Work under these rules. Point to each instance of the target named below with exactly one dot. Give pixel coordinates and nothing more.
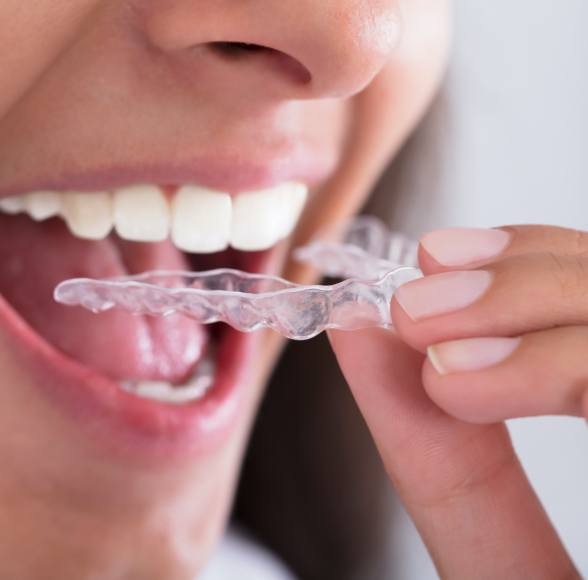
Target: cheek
(381, 118)
(33, 438)
(416, 69)
(32, 35)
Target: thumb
(462, 484)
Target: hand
(506, 335)
(503, 317)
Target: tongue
(34, 258)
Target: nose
(300, 49)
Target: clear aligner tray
(374, 261)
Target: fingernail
(460, 246)
(472, 354)
(442, 293)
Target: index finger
(456, 248)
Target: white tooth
(295, 197)
(141, 214)
(167, 393)
(42, 205)
(201, 220)
(88, 215)
(12, 205)
(262, 218)
(196, 388)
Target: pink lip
(115, 420)
(123, 424)
(233, 175)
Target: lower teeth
(194, 390)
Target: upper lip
(231, 175)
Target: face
(162, 135)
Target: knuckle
(472, 483)
(570, 241)
(578, 339)
(458, 484)
(570, 274)
(569, 394)
(580, 243)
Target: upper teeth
(198, 219)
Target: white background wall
(517, 152)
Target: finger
(461, 483)
(515, 296)
(457, 248)
(486, 380)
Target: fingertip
(427, 263)
(462, 248)
(360, 348)
(408, 329)
(436, 361)
(345, 339)
(458, 395)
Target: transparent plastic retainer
(373, 262)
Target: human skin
(495, 330)
(71, 100)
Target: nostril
(237, 48)
(277, 60)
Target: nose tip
(346, 45)
(304, 49)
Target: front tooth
(12, 205)
(294, 196)
(201, 220)
(42, 205)
(262, 218)
(88, 215)
(141, 214)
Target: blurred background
(506, 142)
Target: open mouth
(162, 366)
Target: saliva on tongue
(35, 257)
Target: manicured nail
(442, 293)
(461, 246)
(472, 354)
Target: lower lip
(125, 425)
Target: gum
(364, 251)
